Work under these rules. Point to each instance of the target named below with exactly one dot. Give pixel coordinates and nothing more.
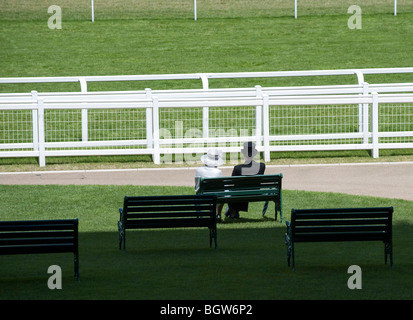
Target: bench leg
(265, 207)
(77, 275)
(388, 251)
(290, 248)
(121, 230)
(213, 235)
(278, 207)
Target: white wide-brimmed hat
(213, 158)
(249, 149)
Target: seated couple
(213, 159)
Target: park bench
(348, 224)
(182, 211)
(245, 189)
(40, 236)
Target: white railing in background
(44, 125)
(33, 133)
(296, 8)
(196, 10)
(205, 77)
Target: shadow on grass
(250, 263)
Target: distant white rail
(205, 77)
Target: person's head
(249, 151)
(213, 158)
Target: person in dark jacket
(248, 168)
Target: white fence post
(93, 11)
(149, 121)
(258, 118)
(41, 136)
(85, 134)
(205, 122)
(375, 124)
(365, 115)
(266, 127)
(295, 9)
(156, 137)
(205, 110)
(35, 122)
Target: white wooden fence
(185, 124)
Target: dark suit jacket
(249, 169)
(246, 169)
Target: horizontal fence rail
(182, 125)
(205, 77)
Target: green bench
(183, 211)
(348, 224)
(40, 236)
(235, 189)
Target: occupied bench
(348, 224)
(245, 189)
(184, 211)
(40, 236)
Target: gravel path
(389, 180)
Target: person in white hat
(212, 160)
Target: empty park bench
(40, 236)
(183, 211)
(349, 224)
(245, 189)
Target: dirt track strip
(389, 180)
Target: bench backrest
(348, 224)
(169, 211)
(39, 236)
(241, 184)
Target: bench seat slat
(340, 229)
(240, 192)
(30, 241)
(28, 227)
(165, 214)
(170, 223)
(153, 200)
(168, 208)
(246, 185)
(36, 234)
(326, 237)
(348, 222)
(336, 216)
(35, 249)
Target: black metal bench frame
(236, 189)
(181, 211)
(345, 224)
(40, 236)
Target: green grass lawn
(162, 46)
(250, 262)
